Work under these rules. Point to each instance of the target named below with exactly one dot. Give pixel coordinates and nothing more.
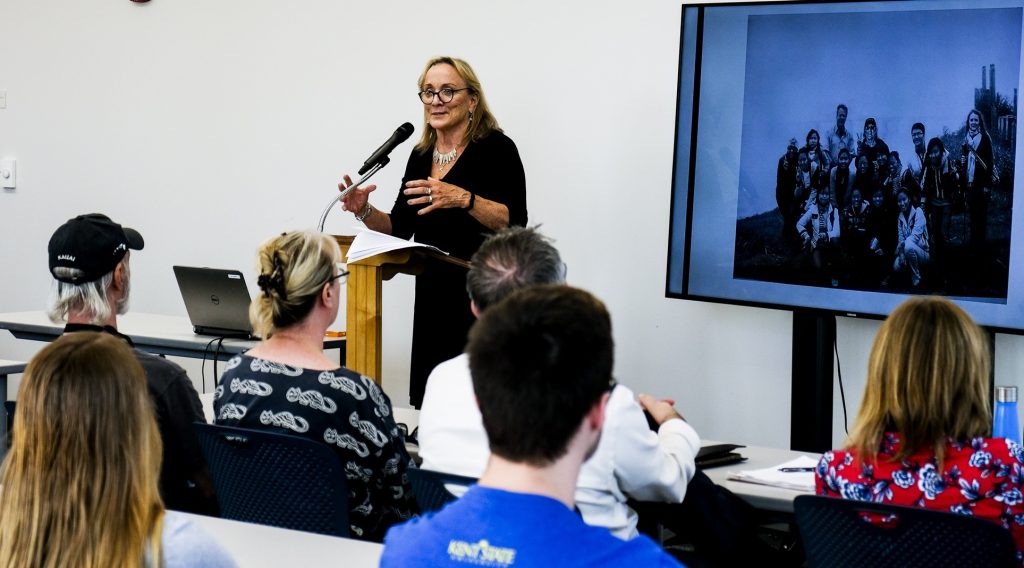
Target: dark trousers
(938, 216)
(979, 217)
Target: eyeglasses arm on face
(340, 276)
(446, 94)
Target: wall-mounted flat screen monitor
(843, 156)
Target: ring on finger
(429, 191)
(430, 198)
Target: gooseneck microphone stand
(376, 167)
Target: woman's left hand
(435, 194)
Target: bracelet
(472, 200)
(366, 213)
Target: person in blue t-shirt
(541, 362)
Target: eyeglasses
(446, 94)
(342, 276)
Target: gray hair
(88, 298)
(509, 260)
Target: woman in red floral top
(919, 438)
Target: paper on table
(796, 480)
(371, 243)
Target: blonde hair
(293, 268)
(483, 121)
(927, 380)
(80, 480)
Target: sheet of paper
(371, 243)
(776, 477)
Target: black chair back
(276, 479)
(429, 487)
(836, 535)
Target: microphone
(380, 155)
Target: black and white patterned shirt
(340, 408)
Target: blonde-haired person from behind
(920, 435)
(80, 485)
(288, 385)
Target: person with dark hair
(80, 480)
(880, 235)
(893, 182)
(840, 180)
(864, 178)
(92, 282)
(976, 163)
(809, 182)
(631, 461)
(541, 362)
(880, 225)
(920, 438)
(912, 239)
(854, 229)
(286, 384)
(940, 186)
(785, 186)
(881, 168)
(464, 180)
(838, 137)
(820, 159)
(913, 176)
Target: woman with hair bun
(80, 480)
(287, 384)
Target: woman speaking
(464, 181)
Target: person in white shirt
(838, 137)
(913, 175)
(631, 460)
(819, 227)
(912, 243)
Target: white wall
(211, 125)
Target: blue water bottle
(1006, 423)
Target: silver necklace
(444, 159)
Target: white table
(163, 335)
(763, 497)
(255, 546)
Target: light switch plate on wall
(9, 173)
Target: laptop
(217, 301)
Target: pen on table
(795, 469)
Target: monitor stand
(814, 335)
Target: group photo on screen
(878, 151)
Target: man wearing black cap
(89, 260)
(871, 145)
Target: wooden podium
(363, 336)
